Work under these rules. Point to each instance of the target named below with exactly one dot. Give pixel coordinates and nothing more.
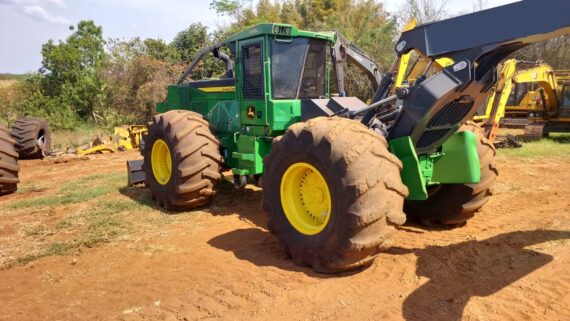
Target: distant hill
(12, 76)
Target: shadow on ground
(142, 196)
(456, 272)
(254, 244)
(228, 201)
(460, 271)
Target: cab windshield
(298, 68)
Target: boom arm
(477, 43)
(344, 48)
(498, 99)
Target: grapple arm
(477, 43)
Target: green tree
(554, 52)
(68, 87)
(71, 69)
(136, 76)
(234, 9)
(160, 50)
(425, 11)
(188, 42)
(56, 109)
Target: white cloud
(41, 14)
(36, 9)
(59, 3)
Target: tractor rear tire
(181, 160)
(455, 204)
(8, 163)
(33, 137)
(362, 179)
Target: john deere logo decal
(251, 112)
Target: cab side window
(252, 71)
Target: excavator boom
(344, 50)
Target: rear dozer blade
(136, 174)
(533, 132)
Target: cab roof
(281, 30)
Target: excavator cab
(565, 101)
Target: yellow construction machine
(126, 137)
(536, 99)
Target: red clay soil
(511, 262)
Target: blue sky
(26, 24)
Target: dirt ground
(75, 244)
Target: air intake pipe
(227, 60)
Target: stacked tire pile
(30, 138)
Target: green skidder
(336, 172)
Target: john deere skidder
(335, 171)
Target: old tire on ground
(332, 202)
(8, 163)
(181, 160)
(33, 137)
(455, 204)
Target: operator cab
(565, 101)
(270, 70)
(277, 68)
(276, 75)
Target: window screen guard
(252, 64)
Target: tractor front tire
(181, 160)
(455, 204)
(33, 137)
(8, 163)
(332, 193)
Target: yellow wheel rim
(305, 198)
(161, 162)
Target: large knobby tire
(33, 137)
(187, 153)
(455, 204)
(363, 180)
(8, 163)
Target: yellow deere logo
(250, 112)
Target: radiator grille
(445, 120)
(452, 113)
(431, 136)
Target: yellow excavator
(532, 88)
(536, 99)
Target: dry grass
(558, 145)
(7, 83)
(64, 139)
(96, 210)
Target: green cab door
(252, 82)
